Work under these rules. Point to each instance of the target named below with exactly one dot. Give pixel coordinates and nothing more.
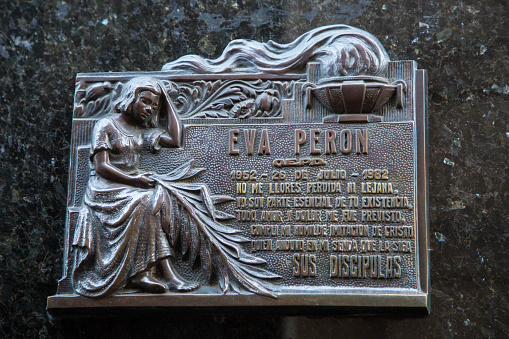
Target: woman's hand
(142, 180)
(109, 172)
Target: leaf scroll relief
(200, 99)
(96, 99)
(230, 99)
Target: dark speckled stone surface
(464, 46)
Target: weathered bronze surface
(276, 175)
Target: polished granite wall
(463, 44)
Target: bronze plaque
(278, 175)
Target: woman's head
(138, 94)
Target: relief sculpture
(274, 175)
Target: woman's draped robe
(117, 234)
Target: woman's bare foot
(147, 283)
(173, 280)
(180, 285)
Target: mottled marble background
(463, 44)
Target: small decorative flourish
(95, 99)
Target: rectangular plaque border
(421, 112)
(67, 305)
(64, 306)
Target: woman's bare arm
(174, 128)
(107, 171)
(167, 141)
